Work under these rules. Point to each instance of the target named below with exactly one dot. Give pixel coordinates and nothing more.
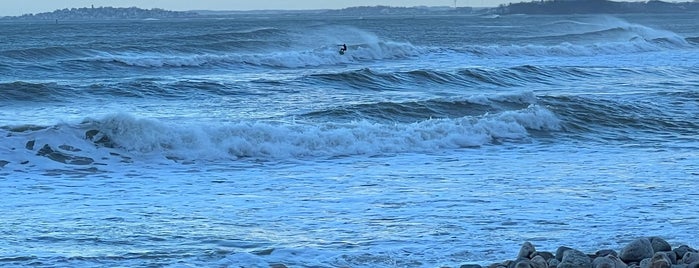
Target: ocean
(434, 141)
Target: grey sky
(19, 7)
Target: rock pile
(650, 252)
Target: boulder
(523, 263)
(608, 261)
(560, 251)
(693, 265)
(539, 261)
(645, 263)
(690, 257)
(526, 250)
(545, 254)
(636, 251)
(575, 259)
(605, 252)
(681, 250)
(671, 255)
(659, 244)
(603, 262)
(553, 263)
(660, 260)
(471, 266)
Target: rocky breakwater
(650, 252)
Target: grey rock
(526, 250)
(608, 261)
(660, 260)
(575, 259)
(679, 266)
(30, 145)
(497, 265)
(671, 255)
(681, 250)
(659, 244)
(690, 257)
(61, 157)
(545, 254)
(645, 263)
(636, 251)
(553, 263)
(560, 251)
(539, 261)
(470, 266)
(605, 252)
(523, 263)
(603, 262)
(693, 265)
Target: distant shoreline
(561, 7)
(543, 7)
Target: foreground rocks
(647, 252)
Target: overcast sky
(19, 7)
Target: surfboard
(342, 52)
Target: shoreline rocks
(645, 252)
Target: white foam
(291, 140)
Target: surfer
(343, 48)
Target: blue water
(434, 141)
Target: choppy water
(433, 141)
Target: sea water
(433, 141)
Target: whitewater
(434, 141)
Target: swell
(523, 75)
(360, 80)
(417, 111)
(658, 117)
(135, 88)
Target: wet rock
(30, 145)
(497, 265)
(523, 263)
(560, 251)
(526, 250)
(605, 252)
(693, 265)
(670, 255)
(539, 261)
(545, 254)
(575, 259)
(690, 257)
(603, 262)
(608, 261)
(58, 156)
(681, 250)
(645, 263)
(660, 260)
(659, 244)
(554, 262)
(277, 265)
(99, 138)
(636, 251)
(470, 266)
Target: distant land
(533, 7)
(596, 6)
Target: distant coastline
(553, 7)
(103, 13)
(534, 7)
